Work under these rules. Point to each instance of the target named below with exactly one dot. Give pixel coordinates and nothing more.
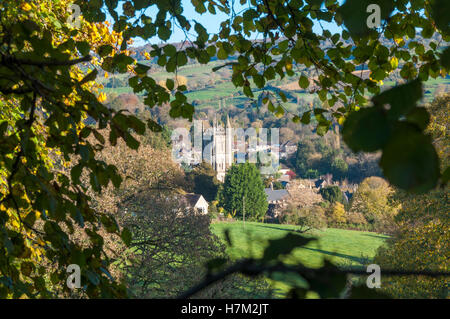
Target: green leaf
(306, 118)
(211, 50)
(89, 77)
(136, 124)
(109, 223)
(329, 282)
(141, 68)
(217, 68)
(279, 112)
(446, 176)
(247, 90)
(282, 95)
(445, 58)
(378, 75)
(181, 58)
(439, 13)
(131, 141)
(366, 130)
(116, 179)
(420, 117)
(402, 99)
(121, 61)
(164, 33)
(153, 126)
(354, 14)
(303, 82)
(99, 137)
(104, 50)
(84, 47)
(126, 236)
(170, 84)
(121, 121)
(409, 160)
(408, 71)
(202, 33)
(323, 128)
(259, 80)
(170, 50)
(222, 54)
(75, 173)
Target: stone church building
(214, 145)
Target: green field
(342, 247)
(206, 87)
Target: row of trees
(315, 158)
(370, 208)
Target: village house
(284, 169)
(277, 199)
(287, 149)
(196, 202)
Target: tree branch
(47, 62)
(253, 267)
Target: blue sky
(212, 23)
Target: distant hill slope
(294, 86)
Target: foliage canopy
(47, 73)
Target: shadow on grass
(384, 237)
(335, 254)
(277, 228)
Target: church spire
(215, 122)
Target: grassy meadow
(342, 247)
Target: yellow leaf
(399, 41)
(25, 6)
(394, 62)
(101, 97)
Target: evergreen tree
(332, 194)
(304, 151)
(204, 181)
(244, 188)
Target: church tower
(219, 151)
(228, 143)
